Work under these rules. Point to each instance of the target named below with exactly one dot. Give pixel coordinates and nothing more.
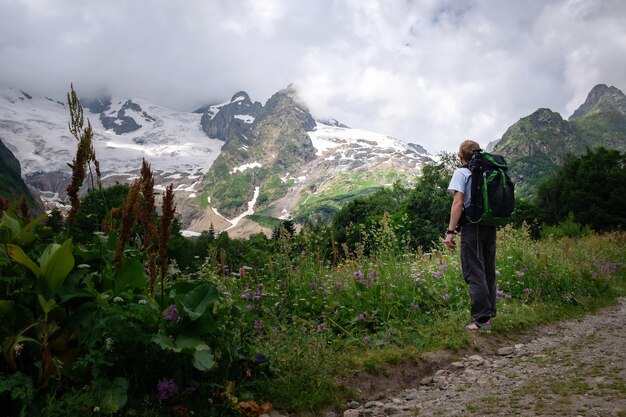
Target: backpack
(492, 200)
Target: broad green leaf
(6, 306)
(47, 305)
(56, 263)
(165, 342)
(113, 395)
(18, 255)
(196, 302)
(9, 228)
(203, 359)
(130, 275)
(26, 235)
(189, 344)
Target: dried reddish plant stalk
(129, 218)
(169, 209)
(85, 153)
(148, 222)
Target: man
(478, 245)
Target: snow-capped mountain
(125, 132)
(276, 160)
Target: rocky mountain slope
(536, 146)
(12, 186)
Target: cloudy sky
(432, 72)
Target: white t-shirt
(461, 181)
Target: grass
(308, 364)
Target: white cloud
(432, 72)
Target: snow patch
(245, 118)
(242, 168)
(189, 233)
(248, 212)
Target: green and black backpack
(493, 193)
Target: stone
(457, 365)
(391, 410)
(353, 404)
(351, 413)
(426, 380)
(506, 351)
(476, 359)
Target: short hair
(467, 149)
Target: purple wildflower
(527, 292)
(367, 339)
(171, 314)
(167, 388)
(446, 297)
(257, 324)
(358, 275)
(416, 306)
(362, 316)
(313, 286)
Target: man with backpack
(482, 197)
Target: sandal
(479, 327)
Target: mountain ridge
(536, 145)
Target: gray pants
(478, 262)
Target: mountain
(12, 186)
(536, 146)
(238, 165)
(283, 164)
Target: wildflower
(367, 339)
(171, 314)
(18, 349)
(260, 358)
(257, 324)
(527, 292)
(457, 289)
(321, 328)
(362, 316)
(358, 294)
(358, 275)
(275, 330)
(416, 306)
(313, 286)
(242, 273)
(96, 409)
(143, 301)
(118, 300)
(446, 297)
(256, 296)
(166, 388)
(108, 344)
(497, 273)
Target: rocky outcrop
(602, 98)
(123, 120)
(12, 186)
(223, 121)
